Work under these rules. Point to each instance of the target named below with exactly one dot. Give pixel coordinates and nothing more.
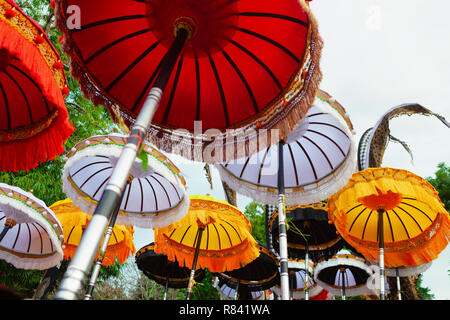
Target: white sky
(379, 54)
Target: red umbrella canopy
(33, 117)
(247, 63)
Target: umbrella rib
(354, 220)
(320, 149)
(329, 125)
(164, 189)
(23, 94)
(94, 174)
(271, 41)
(184, 234)
(431, 220)
(293, 163)
(358, 205)
(365, 225)
(34, 83)
(390, 226)
(218, 236)
(29, 234)
(142, 194)
(244, 167)
(173, 186)
(40, 237)
(309, 160)
(150, 81)
(17, 235)
(274, 15)
(315, 114)
(417, 223)
(325, 136)
(222, 93)
(198, 91)
(107, 21)
(99, 187)
(401, 221)
(88, 165)
(228, 235)
(237, 233)
(154, 193)
(132, 65)
(70, 234)
(207, 237)
(243, 79)
(5, 98)
(174, 88)
(262, 64)
(262, 164)
(112, 44)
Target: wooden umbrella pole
(9, 223)
(194, 263)
(381, 245)
(99, 262)
(75, 276)
(284, 272)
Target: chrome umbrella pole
(79, 267)
(284, 272)
(381, 245)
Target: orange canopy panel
(226, 242)
(75, 221)
(415, 223)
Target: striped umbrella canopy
(415, 225)
(213, 234)
(34, 122)
(153, 198)
(319, 157)
(309, 230)
(31, 236)
(259, 275)
(344, 275)
(163, 271)
(229, 293)
(74, 222)
(241, 65)
(301, 278)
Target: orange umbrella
(74, 221)
(213, 234)
(392, 213)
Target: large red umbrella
(237, 65)
(245, 64)
(34, 120)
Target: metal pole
(399, 289)
(381, 245)
(343, 283)
(237, 289)
(99, 262)
(306, 271)
(268, 231)
(284, 272)
(194, 263)
(78, 269)
(166, 288)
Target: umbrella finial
(186, 23)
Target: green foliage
(423, 292)
(255, 212)
(441, 182)
(205, 290)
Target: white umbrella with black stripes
(31, 236)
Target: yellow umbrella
(74, 221)
(393, 213)
(213, 234)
